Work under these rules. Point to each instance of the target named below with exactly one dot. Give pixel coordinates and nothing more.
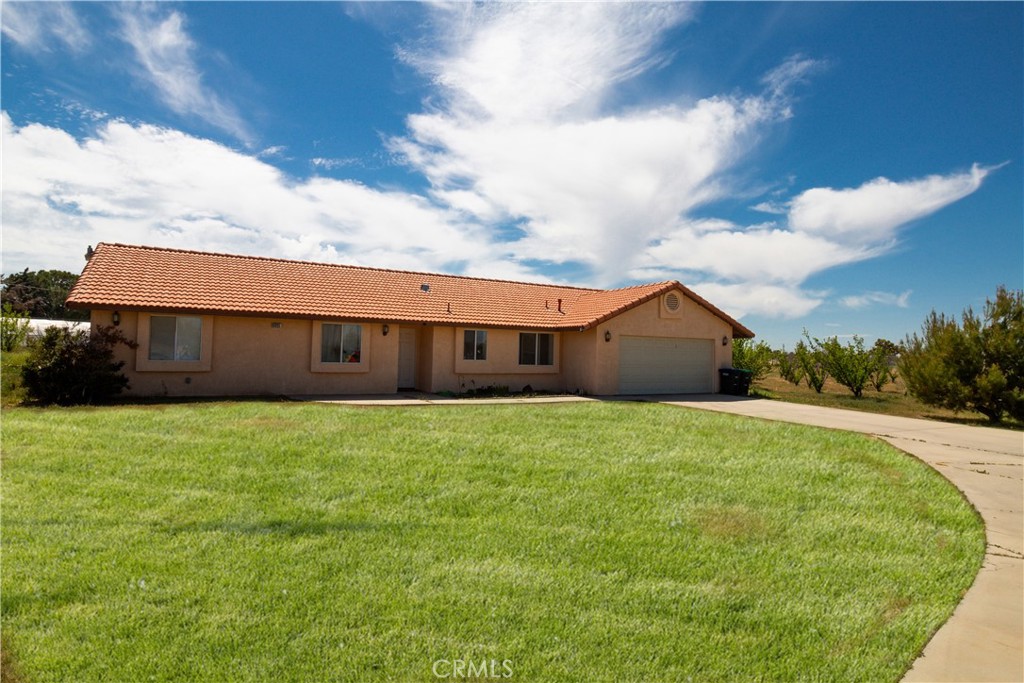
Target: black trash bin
(734, 382)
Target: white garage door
(654, 365)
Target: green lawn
(584, 542)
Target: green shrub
(68, 367)
(975, 364)
(755, 358)
(13, 328)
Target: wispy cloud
(273, 152)
(793, 71)
(330, 164)
(36, 26)
(770, 207)
(901, 300)
(165, 52)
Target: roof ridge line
(344, 265)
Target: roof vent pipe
(559, 305)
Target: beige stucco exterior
(246, 355)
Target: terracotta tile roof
(148, 278)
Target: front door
(407, 358)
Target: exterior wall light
(116, 318)
(725, 340)
(607, 335)
(386, 329)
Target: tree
(883, 370)
(13, 328)
(68, 367)
(789, 366)
(811, 362)
(41, 294)
(849, 364)
(975, 364)
(755, 358)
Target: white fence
(36, 326)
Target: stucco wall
(648, 320)
(579, 361)
(250, 356)
(451, 372)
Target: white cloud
(149, 185)
(529, 155)
(525, 132)
(594, 190)
(901, 300)
(164, 50)
(797, 69)
(35, 25)
(770, 207)
(331, 164)
(758, 254)
(872, 212)
(758, 298)
(824, 228)
(273, 152)
(535, 61)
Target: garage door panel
(659, 365)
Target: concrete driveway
(984, 639)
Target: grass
(892, 400)
(11, 390)
(577, 542)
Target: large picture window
(536, 348)
(175, 337)
(341, 343)
(474, 345)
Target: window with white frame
(175, 337)
(536, 348)
(341, 343)
(474, 345)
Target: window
(474, 345)
(341, 343)
(536, 348)
(175, 337)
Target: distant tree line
(814, 360)
(976, 363)
(40, 294)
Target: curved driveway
(984, 639)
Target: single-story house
(217, 325)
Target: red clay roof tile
(148, 278)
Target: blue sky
(839, 167)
